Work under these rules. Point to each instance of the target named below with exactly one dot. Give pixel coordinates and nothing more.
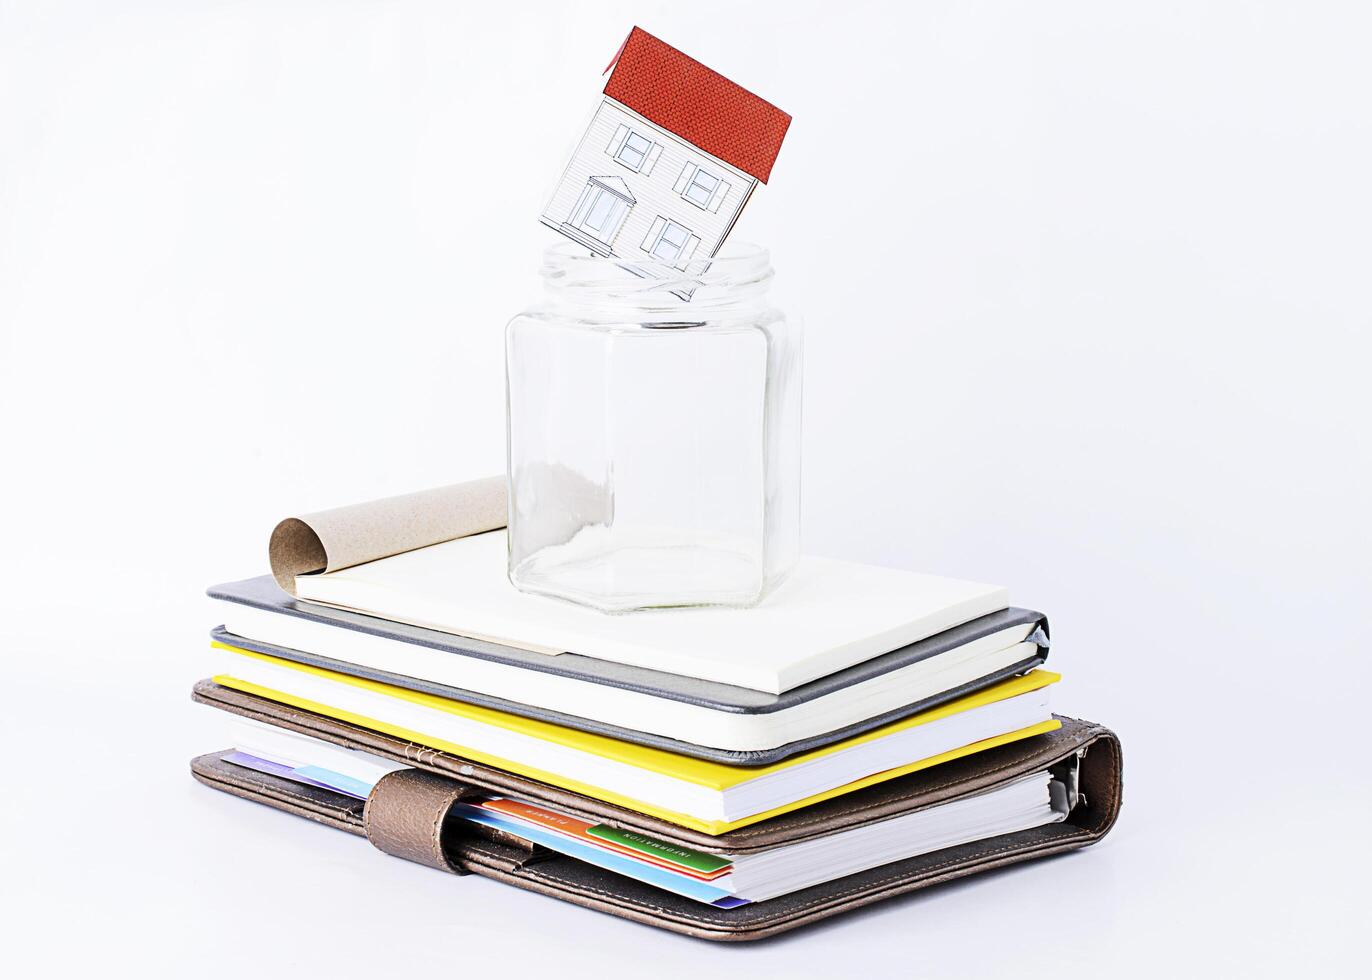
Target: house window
(634, 150)
(669, 242)
(602, 207)
(701, 188)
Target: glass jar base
(616, 572)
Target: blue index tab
(249, 761)
(336, 781)
(638, 870)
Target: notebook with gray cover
(705, 719)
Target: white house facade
(634, 190)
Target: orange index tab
(560, 822)
(581, 830)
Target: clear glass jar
(653, 433)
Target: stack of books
(725, 773)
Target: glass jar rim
(739, 267)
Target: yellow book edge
(700, 772)
(712, 827)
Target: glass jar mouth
(740, 271)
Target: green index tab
(684, 856)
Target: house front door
(601, 209)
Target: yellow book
(709, 796)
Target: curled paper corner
(295, 549)
(353, 535)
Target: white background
(1087, 301)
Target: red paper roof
(701, 106)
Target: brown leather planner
(406, 815)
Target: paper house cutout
(670, 158)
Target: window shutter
(720, 192)
(687, 252)
(687, 172)
(653, 154)
(654, 233)
(620, 135)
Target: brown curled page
(345, 536)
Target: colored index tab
(671, 853)
(538, 815)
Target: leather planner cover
(404, 816)
(263, 594)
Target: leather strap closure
(405, 813)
